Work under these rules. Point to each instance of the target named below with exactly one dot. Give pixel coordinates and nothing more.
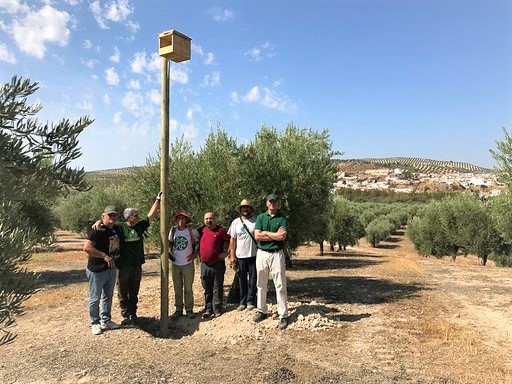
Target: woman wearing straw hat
(242, 248)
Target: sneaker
(250, 307)
(241, 307)
(176, 315)
(96, 329)
(108, 325)
(207, 314)
(259, 316)
(283, 323)
(217, 314)
(191, 315)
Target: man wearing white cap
(242, 250)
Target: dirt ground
(367, 315)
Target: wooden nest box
(174, 46)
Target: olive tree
(34, 169)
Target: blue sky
(415, 78)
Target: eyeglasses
(181, 217)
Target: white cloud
(106, 99)
(212, 80)
(133, 26)
(14, 6)
(89, 63)
(73, 3)
(178, 74)
(35, 28)
(87, 44)
(6, 55)
(192, 110)
(111, 76)
(141, 64)
(154, 96)
(116, 56)
(115, 10)
(134, 84)
(266, 50)
(188, 130)
(85, 105)
(210, 58)
(140, 128)
(234, 97)
(219, 14)
(118, 118)
(253, 95)
(269, 99)
(135, 103)
(197, 49)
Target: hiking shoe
(96, 329)
(217, 314)
(259, 316)
(207, 315)
(241, 307)
(283, 323)
(108, 325)
(250, 307)
(127, 321)
(176, 315)
(191, 315)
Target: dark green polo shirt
(265, 222)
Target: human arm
(280, 235)
(155, 206)
(94, 252)
(232, 250)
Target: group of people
(253, 243)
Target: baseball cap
(273, 196)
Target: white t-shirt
(182, 245)
(245, 245)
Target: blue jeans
(101, 286)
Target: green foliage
(34, 169)
(344, 227)
(78, 210)
(390, 197)
(460, 223)
(503, 156)
(379, 230)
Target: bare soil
(366, 315)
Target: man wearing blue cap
(270, 231)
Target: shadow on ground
(324, 263)
(350, 290)
(61, 278)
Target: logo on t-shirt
(180, 243)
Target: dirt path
(368, 315)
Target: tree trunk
(321, 248)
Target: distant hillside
(412, 164)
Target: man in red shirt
(212, 252)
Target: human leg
(242, 279)
(109, 281)
(207, 277)
(94, 297)
(188, 282)
(278, 271)
(134, 287)
(262, 280)
(123, 282)
(251, 286)
(177, 282)
(218, 286)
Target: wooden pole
(164, 212)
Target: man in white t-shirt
(182, 239)
(242, 251)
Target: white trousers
(272, 263)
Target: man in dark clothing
(102, 246)
(212, 252)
